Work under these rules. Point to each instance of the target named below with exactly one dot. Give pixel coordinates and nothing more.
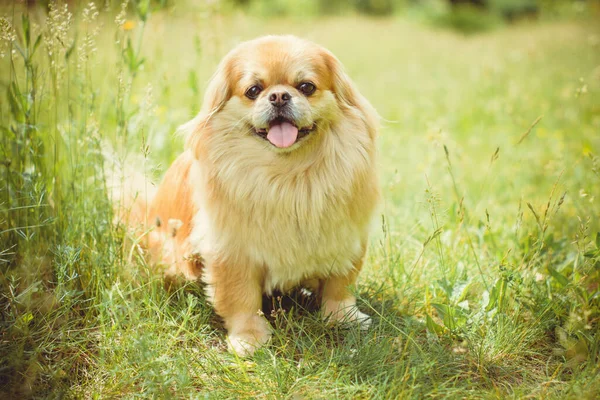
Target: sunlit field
(483, 271)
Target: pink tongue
(283, 135)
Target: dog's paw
(345, 312)
(363, 320)
(245, 341)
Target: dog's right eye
(253, 92)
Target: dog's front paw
(345, 311)
(244, 339)
(363, 320)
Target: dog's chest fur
(295, 244)
(310, 222)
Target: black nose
(279, 99)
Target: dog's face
(284, 91)
(279, 91)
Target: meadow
(483, 271)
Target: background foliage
(483, 272)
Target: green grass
(484, 267)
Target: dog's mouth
(283, 133)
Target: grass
(483, 270)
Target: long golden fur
(248, 212)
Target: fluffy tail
(130, 187)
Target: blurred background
(483, 270)
(463, 15)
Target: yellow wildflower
(128, 25)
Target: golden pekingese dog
(276, 188)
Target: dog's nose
(279, 99)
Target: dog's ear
(348, 96)
(218, 92)
(343, 88)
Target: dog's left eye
(253, 92)
(307, 88)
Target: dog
(276, 188)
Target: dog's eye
(253, 92)
(307, 88)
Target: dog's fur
(248, 217)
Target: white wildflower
(7, 36)
(121, 17)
